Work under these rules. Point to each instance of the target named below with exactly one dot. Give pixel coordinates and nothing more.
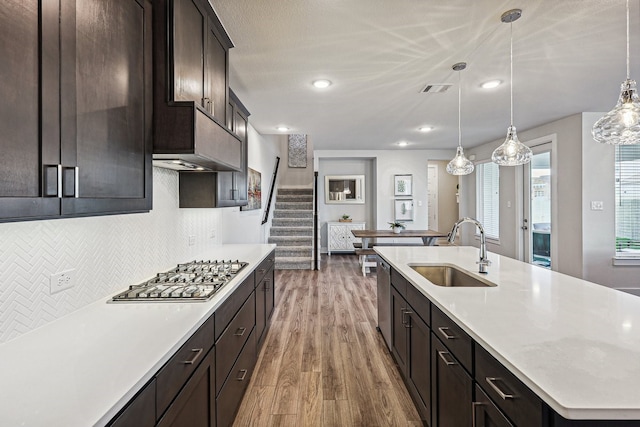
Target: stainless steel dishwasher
(384, 300)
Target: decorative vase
(397, 230)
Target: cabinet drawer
(230, 397)
(420, 304)
(175, 373)
(514, 398)
(265, 266)
(399, 282)
(457, 341)
(486, 413)
(233, 339)
(230, 307)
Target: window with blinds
(488, 198)
(628, 201)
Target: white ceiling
(569, 56)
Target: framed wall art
(254, 190)
(402, 185)
(403, 210)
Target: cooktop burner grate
(193, 281)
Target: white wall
(585, 239)
(387, 164)
(109, 253)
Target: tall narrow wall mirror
(344, 189)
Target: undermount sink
(449, 275)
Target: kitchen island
(82, 369)
(575, 344)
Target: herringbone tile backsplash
(108, 253)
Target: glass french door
(537, 212)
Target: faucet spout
(484, 261)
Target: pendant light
(621, 126)
(460, 165)
(512, 152)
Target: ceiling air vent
(436, 88)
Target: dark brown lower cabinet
(195, 404)
(452, 388)
(486, 413)
(264, 305)
(230, 397)
(141, 411)
(398, 330)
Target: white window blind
(628, 201)
(488, 198)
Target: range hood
(188, 138)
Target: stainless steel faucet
(484, 262)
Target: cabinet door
(261, 306)
(399, 320)
(419, 364)
(270, 285)
(105, 106)
(189, 25)
(141, 411)
(452, 388)
(21, 186)
(216, 72)
(195, 404)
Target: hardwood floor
(323, 362)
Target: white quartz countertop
(81, 369)
(576, 344)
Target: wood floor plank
(323, 363)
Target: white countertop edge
(575, 413)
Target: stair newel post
(315, 220)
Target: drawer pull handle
(197, 352)
(493, 385)
(407, 322)
(443, 330)
(240, 332)
(262, 271)
(474, 405)
(448, 362)
(243, 374)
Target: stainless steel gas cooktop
(193, 281)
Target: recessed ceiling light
(403, 143)
(425, 128)
(282, 128)
(491, 84)
(322, 83)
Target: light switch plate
(597, 205)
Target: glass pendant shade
(460, 165)
(512, 152)
(621, 126)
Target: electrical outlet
(62, 280)
(212, 234)
(192, 240)
(597, 205)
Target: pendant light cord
(628, 62)
(511, 65)
(459, 110)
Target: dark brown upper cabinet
(191, 89)
(77, 122)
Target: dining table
(429, 237)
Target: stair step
(294, 205)
(292, 213)
(294, 263)
(294, 198)
(291, 231)
(292, 222)
(293, 251)
(300, 190)
(291, 240)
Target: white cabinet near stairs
(339, 236)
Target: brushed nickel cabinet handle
(474, 406)
(442, 356)
(406, 323)
(443, 330)
(243, 373)
(493, 385)
(197, 352)
(240, 332)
